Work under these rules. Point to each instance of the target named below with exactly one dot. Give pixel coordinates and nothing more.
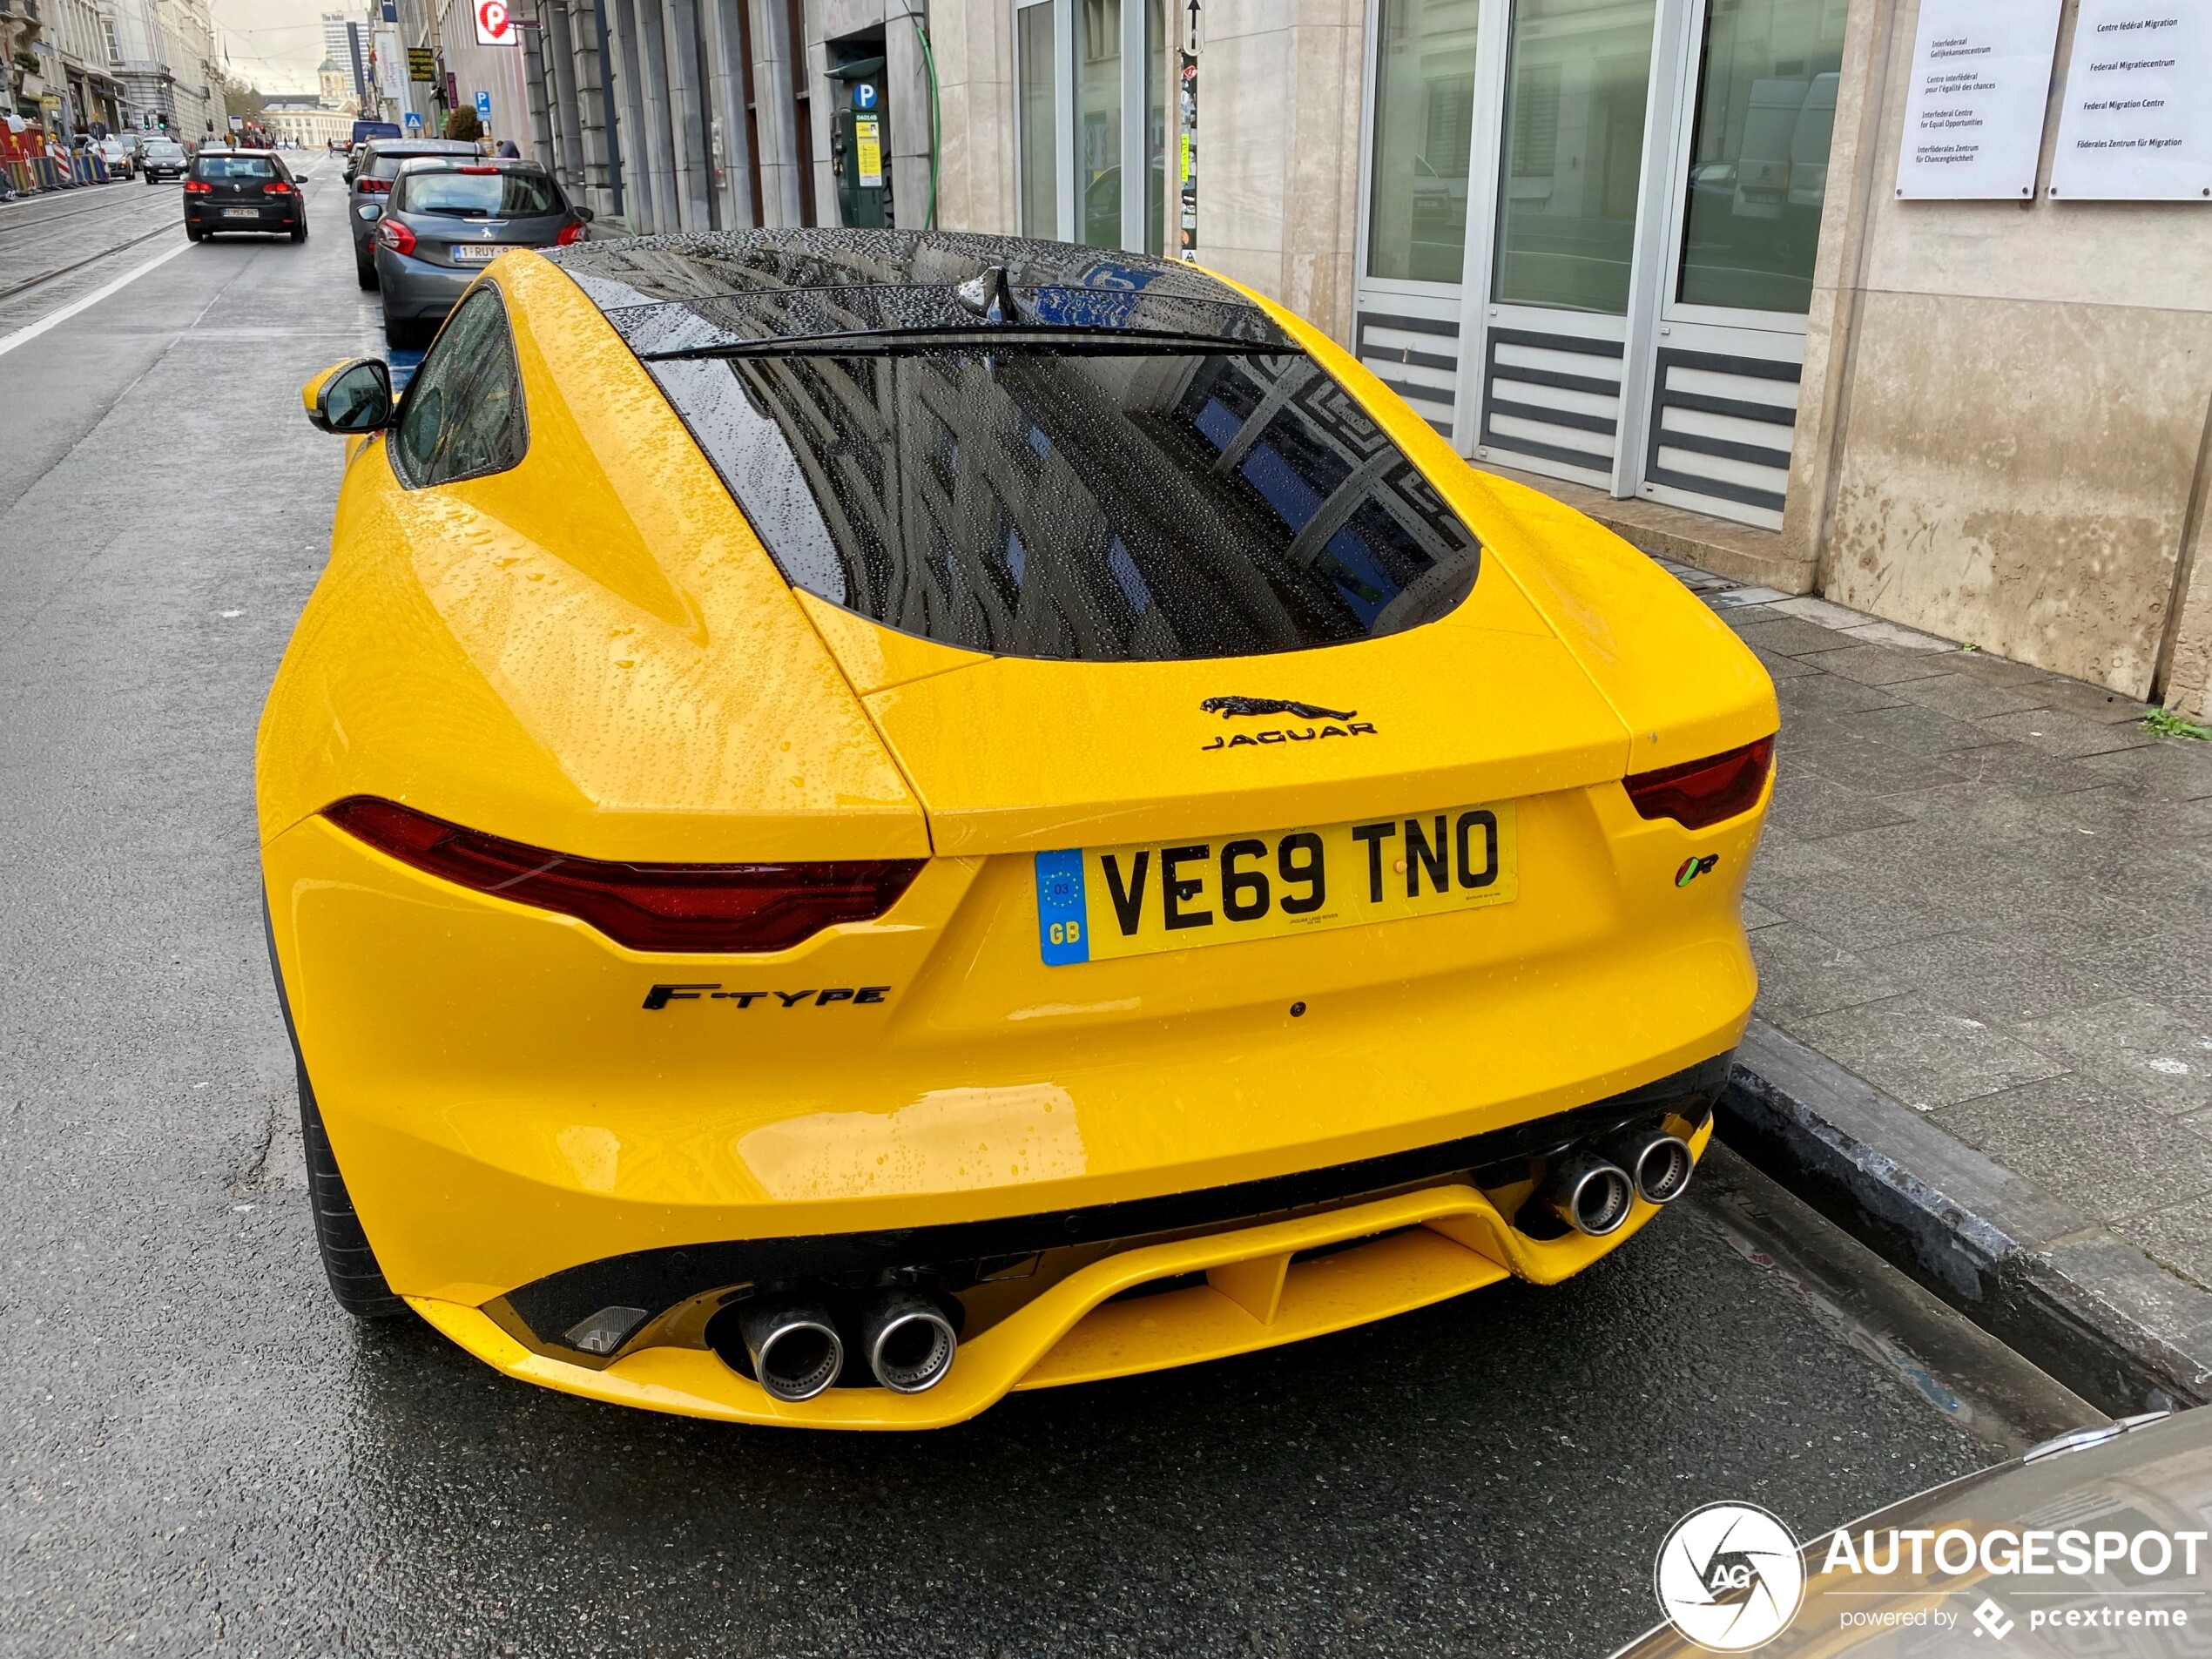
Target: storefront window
(1098, 132)
(1417, 223)
(1040, 121)
(1573, 152)
(1156, 126)
(1758, 166)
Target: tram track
(29, 283)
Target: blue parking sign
(864, 95)
(484, 106)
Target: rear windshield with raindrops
(1084, 476)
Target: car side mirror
(371, 212)
(585, 215)
(352, 397)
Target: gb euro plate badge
(1093, 903)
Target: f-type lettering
(1128, 896)
(742, 999)
(1177, 890)
(828, 997)
(789, 999)
(661, 995)
(1374, 835)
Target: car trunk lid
(1016, 755)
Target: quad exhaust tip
(1591, 1193)
(1663, 1168)
(908, 1341)
(793, 1344)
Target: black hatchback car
(242, 189)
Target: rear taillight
(199, 187)
(493, 171)
(374, 186)
(395, 235)
(646, 906)
(280, 188)
(1702, 793)
(570, 234)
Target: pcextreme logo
(1729, 1577)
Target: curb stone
(2046, 1279)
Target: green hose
(936, 134)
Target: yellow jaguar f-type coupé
(864, 819)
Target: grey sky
(276, 44)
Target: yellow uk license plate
(1098, 902)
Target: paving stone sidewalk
(1987, 891)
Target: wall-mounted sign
(1973, 120)
(391, 74)
(495, 24)
(864, 95)
(423, 65)
(484, 106)
(2137, 122)
(867, 149)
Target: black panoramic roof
(704, 293)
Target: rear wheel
(402, 335)
(365, 274)
(357, 1280)
(299, 233)
(194, 233)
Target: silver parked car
(368, 184)
(445, 220)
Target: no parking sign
(495, 24)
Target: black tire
(365, 274)
(299, 233)
(193, 233)
(402, 336)
(357, 1280)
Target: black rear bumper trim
(659, 1280)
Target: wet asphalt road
(200, 1455)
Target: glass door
(1562, 262)
(1092, 119)
(1747, 192)
(1415, 199)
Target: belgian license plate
(241, 212)
(476, 252)
(1099, 903)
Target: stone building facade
(1649, 254)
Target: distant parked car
(162, 159)
(376, 164)
(445, 220)
(242, 189)
(116, 151)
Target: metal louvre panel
(1721, 428)
(1553, 398)
(1416, 357)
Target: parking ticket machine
(860, 145)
